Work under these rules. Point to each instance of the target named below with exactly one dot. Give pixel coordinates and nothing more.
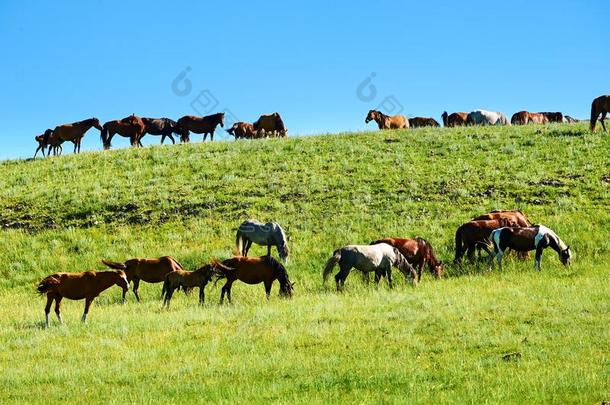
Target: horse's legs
(88, 302)
(602, 120)
(74, 142)
(269, 249)
(201, 294)
(388, 272)
(226, 289)
(172, 139)
(268, 285)
(539, 250)
(247, 247)
(342, 275)
(136, 285)
(420, 268)
(47, 309)
(168, 296)
(57, 309)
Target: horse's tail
(330, 264)
(239, 243)
(46, 136)
(459, 243)
(594, 115)
(47, 284)
(114, 265)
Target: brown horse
(418, 252)
(78, 286)
(253, 270)
(475, 234)
(199, 125)
(270, 125)
(75, 132)
(601, 105)
(148, 270)
(456, 119)
(41, 142)
(243, 130)
(386, 121)
(539, 118)
(520, 118)
(131, 127)
(515, 215)
(419, 122)
(553, 116)
(187, 280)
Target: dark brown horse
(456, 119)
(200, 125)
(475, 235)
(160, 126)
(78, 286)
(244, 130)
(601, 105)
(553, 116)
(74, 132)
(387, 121)
(520, 118)
(131, 127)
(148, 270)
(270, 125)
(418, 252)
(187, 280)
(254, 270)
(419, 122)
(41, 142)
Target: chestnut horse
(131, 127)
(456, 119)
(515, 215)
(418, 252)
(187, 280)
(386, 121)
(75, 132)
(419, 122)
(41, 142)
(539, 118)
(200, 125)
(253, 270)
(520, 118)
(78, 286)
(244, 130)
(601, 105)
(475, 234)
(148, 270)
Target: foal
(78, 286)
(187, 280)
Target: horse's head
(404, 266)
(284, 252)
(565, 256)
(286, 288)
(96, 123)
(222, 120)
(439, 270)
(371, 116)
(122, 280)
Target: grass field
(519, 336)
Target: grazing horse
(269, 234)
(78, 286)
(253, 270)
(148, 270)
(601, 105)
(515, 215)
(475, 234)
(243, 130)
(483, 117)
(387, 121)
(131, 127)
(188, 280)
(418, 122)
(553, 116)
(367, 258)
(418, 252)
(75, 132)
(200, 125)
(456, 119)
(570, 120)
(537, 237)
(520, 118)
(41, 142)
(270, 125)
(538, 118)
(160, 126)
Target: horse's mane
(279, 270)
(215, 116)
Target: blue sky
(64, 61)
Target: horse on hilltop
(200, 125)
(456, 119)
(73, 132)
(131, 127)
(160, 126)
(419, 122)
(41, 142)
(483, 117)
(387, 121)
(601, 105)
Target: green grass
(442, 341)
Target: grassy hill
(444, 340)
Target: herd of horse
(495, 232)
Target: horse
(456, 119)
(200, 125)
(483, 117)
(243, 130)
(78, 286)
(570, 120)
(537, 237)
(253, 270)
(75, 132)
(188, 280)
(516, 215)
(520, 118)
(475, 234)
(386, 121)
(601, 105)
(553, 116)
(367, 258)
(270, 124)
(148, 270)
(41, 142)
(538, 118)
(131, 127)
(419, 122)
(269, 234)
(160, 126)
(418, 252)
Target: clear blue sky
(64, 61)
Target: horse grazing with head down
(253, 270)
(387, 121)
(269, 234)
(537, 237)
(75, 132)
(418, 252)
(244, 130)
(78, 286)
(131, 127)
(160, 126)
(419, 122)
(148, 270)
(601, 105)
(368, 258)
(483, 117)
(475, 235)
(200, 125)
(456, 119)
(270, 125)
(552, 116)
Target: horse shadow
(565, 133)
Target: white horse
(367, 258)
(483, 117)
(269, 234)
